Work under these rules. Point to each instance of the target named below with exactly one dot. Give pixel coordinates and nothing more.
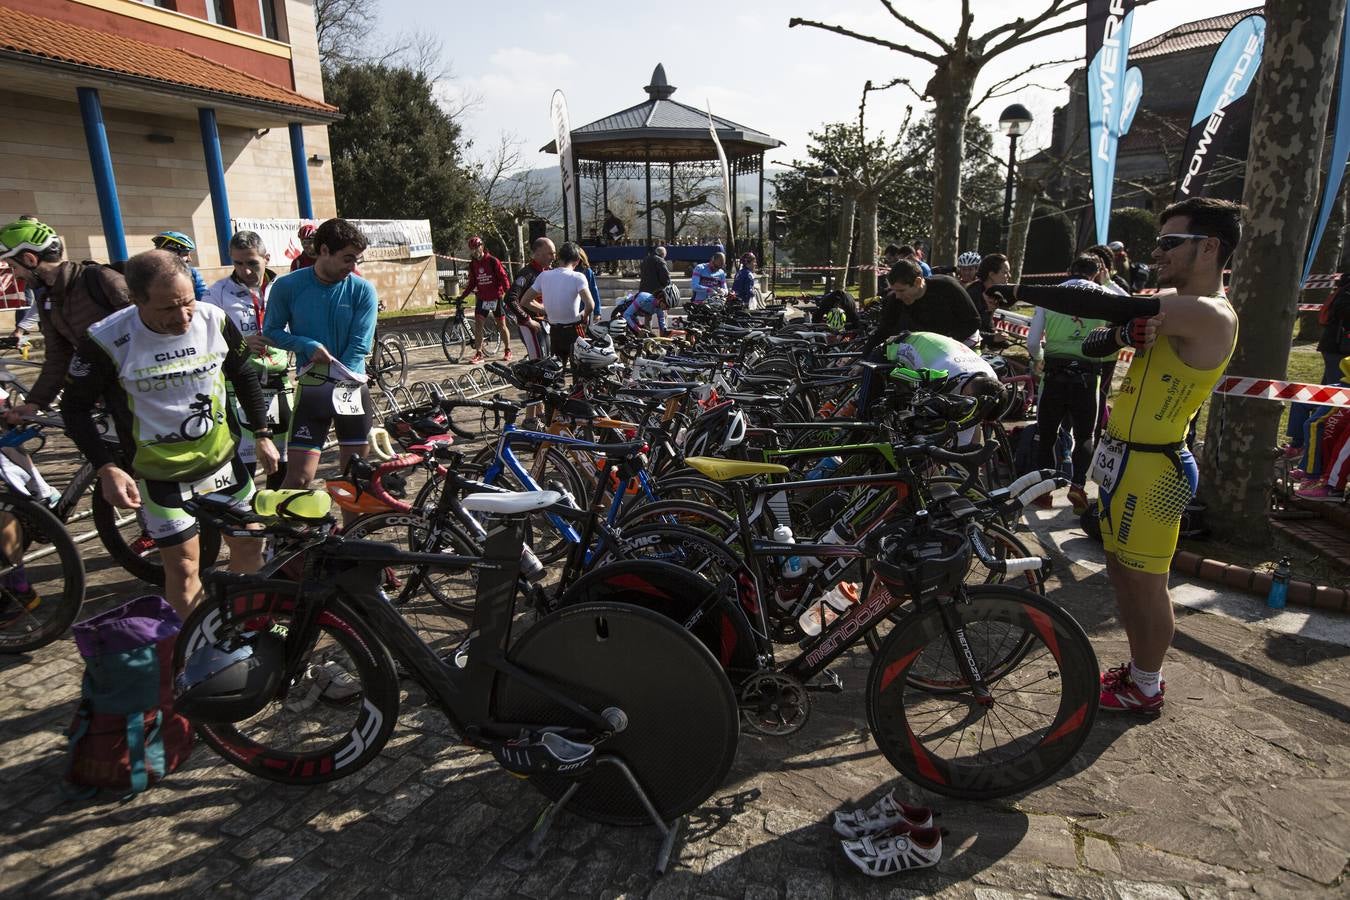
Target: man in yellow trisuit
(1183, 340)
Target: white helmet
(969, 258)
(592, 356)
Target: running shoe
(477, 358)
(883, 814)
(16, 603)
(506, 355)
(1317, 490)
(1078, 499)
(1121, 694)
(335, 684)
(142, 545)
(900, 849)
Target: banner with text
(1340, 149)
(1224, 96)
(562, 132)
(1108, 43)
(389, 238)
(726, 183)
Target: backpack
(124, 734)
(93, 285)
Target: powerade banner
(1108, 44)
(562, 131)
(726, 182)
(1134, 92)
(1340, 150)
(1224, 96)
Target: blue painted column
(301, 165)
(215, 177)
(105, 184)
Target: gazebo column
(759, 251)
(670, 210)
(604, 193)
(735, 209)
(649, 196)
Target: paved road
(1241, 787)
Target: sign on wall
(389, 238)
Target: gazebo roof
(667, 129)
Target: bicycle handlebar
(1014, 566)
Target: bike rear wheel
(42, 590)
(681, 736)
(1038, 711)
(304, 736)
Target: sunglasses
(1169, 242)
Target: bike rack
(670, 831)
(474, 384)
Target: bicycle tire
(391, 364)
(453, 339)
(144, 564)
(546, 541)
(688, 513)
(34, 626)
(372, 719)
(682, 733)
(893, 702)
(492, 338)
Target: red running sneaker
(1121, 694)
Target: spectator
(908, 251)
(1319, 430)
(1334, 345)
(1133, 277)
(744, 285)
(655, 274)
(939, 304)
(614, 228)
(584, 267)
(707, 277)
(1336, 434)
(991, 270)
(181, 245)
(307, 252)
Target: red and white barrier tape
(1265, 389)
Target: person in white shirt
(562, 295)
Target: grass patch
(414, 311)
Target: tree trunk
(951, 104)
(867, 245)
(1293, 94)
(1024, 207)
(843, 242)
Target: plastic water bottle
(839, 534)
(829, 607)
(825, 468)
(792, 566)
(1279, 585)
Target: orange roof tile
(36, 36)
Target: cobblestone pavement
(1242, 786)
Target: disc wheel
(682, 731)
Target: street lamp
(828, 176)
(1014, 121)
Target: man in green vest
(1068, 381)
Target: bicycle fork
(965, 657)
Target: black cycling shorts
(315, 412)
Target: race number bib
(489, 307)
(347, 398)
(1107, 461)
(271, 397)
(220, 480)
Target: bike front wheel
(42, 586)
(391, 364)
(454, 339)
(325, 724)
(1006, 736)
(681, 733)
(129, 544)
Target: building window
(219, 12)
(162, 4)
(269, 19)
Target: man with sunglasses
(70, 297)
(243, 296)
(1183, 339)
(184, 246)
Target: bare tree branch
(1000, 85)
(910, 23)
(867, 38)
(1020, 26)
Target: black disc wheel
(682, 719)
(980, 742)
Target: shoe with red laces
(1121, 694)
(506, 355)
(477, 358)
(142, 545)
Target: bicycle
(34, 609)
(596, 732)
(457, 333)
(387, 362)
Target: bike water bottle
(792, 566)
(531, 567)
(825, 468)
(1279, 585)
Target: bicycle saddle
(757, 399)
(727, 469)
(626, 450)
(664, 393)
(510, 504)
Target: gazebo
(667, 134)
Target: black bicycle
(457, 333)
(602, 730)
(41, 575)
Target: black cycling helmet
(233, 678)
(921, 561)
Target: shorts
(162, 513)
(561, 339)
(484, 308)
(1141, 515)
(536, 342)
(315, 413)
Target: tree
(957, 63)
(397, 154)
(1293, 95)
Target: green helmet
(836, 319)
(27, 234)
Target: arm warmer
(1086, 303)
(92, 370)
(244, 378)
(1102, 342)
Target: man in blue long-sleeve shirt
(325, 315)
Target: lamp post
(1014, 121)
(829, 177)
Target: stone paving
(1241, 787)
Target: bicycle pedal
(827, 682)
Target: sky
(739, 56)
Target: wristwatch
(262, 433)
